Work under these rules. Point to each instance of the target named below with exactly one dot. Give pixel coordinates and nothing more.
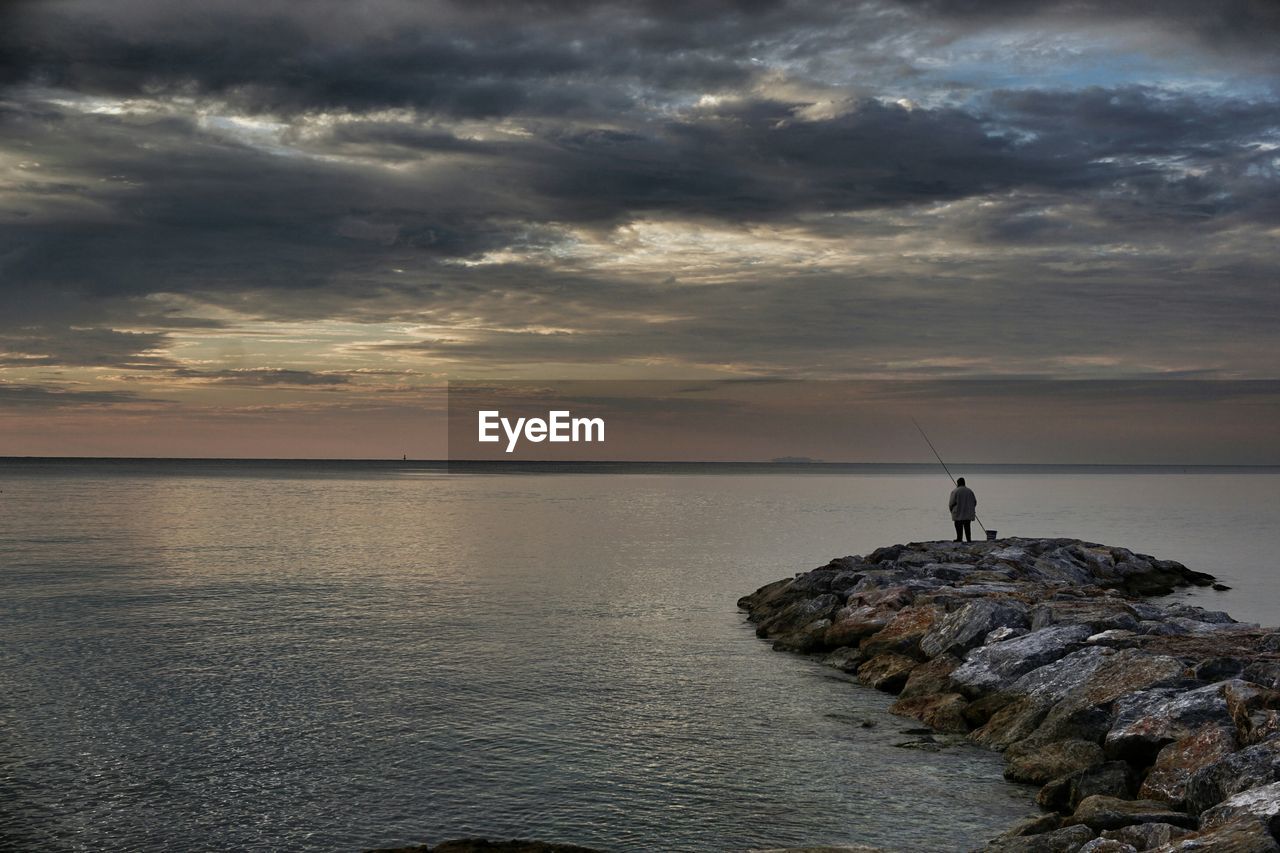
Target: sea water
(336, 656)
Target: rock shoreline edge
(1148, 727)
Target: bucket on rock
(991, 535)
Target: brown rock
(1066, 840)
(852, 623)
(1107, 845)
(1246, 835)
(931, 677)
(887, 672)
(1015, 721)
(845, 659)
(1112, 779)
(1177, 762)
(941, 711)
(1147, 836)
(1041, 763)
(903, 633)
(1101, 812)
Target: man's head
(960, 482)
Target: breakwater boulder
(1147, 726)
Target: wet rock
(1112, 779)
(943, 712)
(809, 638)
(1069, 839)
(845, 659)
(887, 672)
(1033, 826)
(1179, 761)
(800, 613)
(1101, 812)
(966, 627)
(1037, 764)
(931, 677)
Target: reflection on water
(272, 660)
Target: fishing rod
(945, 468)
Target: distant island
(794, 460)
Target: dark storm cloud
(1036, 221)
(40, 397)
(1226, 24)
(267, 377)
(80, 347)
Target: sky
(278, 228)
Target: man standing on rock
(964, 508)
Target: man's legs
(968, 532)
(959, 530)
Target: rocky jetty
(1147, 727)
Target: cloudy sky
(265, 228)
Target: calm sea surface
(331, 657)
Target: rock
(1261, 803)
(1251, 767)
(1264, 673)
(1177, 762)
(852, 623)
(964, 628)
(1147, 836)
(1084, 710)
(845, 659)
(809, 638)
(1001, 634)
(1033, 826)
(1147, 721)
(887, 672)
(1112, 779)
(1069, 839)
(1041, 763)
(1243, 836)
(903, 633)
(943, 712)
(1100, 812)
(1218, 669)
(998, 665)
(1107, 845)
(931, 677)
(1099, 614)
(800, 613)
(1253, 709)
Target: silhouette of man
(964, 508)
